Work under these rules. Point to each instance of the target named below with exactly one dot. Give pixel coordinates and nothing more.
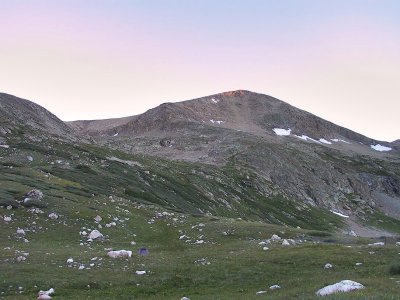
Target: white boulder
(343, 286)
(95, 234)
(119, 254)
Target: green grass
(82, 183)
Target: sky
(97, 59)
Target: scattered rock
(328, 266)
(20, 231)
(70, 260)
(98, 218)
(342, 286)
(35, 194)
(95, 234)
(119, 254)
(261, 292)
(274, 287)
(377, 244)
(7, 219)
(285, 243)
(43, 295)
(275, 237)
(140, 272)
(53, 216)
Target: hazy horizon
(102, 59)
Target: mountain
(320, 163)
(25, 117)
(254, 148)
(217, 197)
(238, 110)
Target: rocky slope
(236, 140)
(319, 162)
(26, 117)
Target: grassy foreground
(229, 264)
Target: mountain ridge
(205, 110)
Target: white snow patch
(119, 253)
(215, 100)
(282, 132)
(116, 134)
(265, 248)
(380, 148)
(5, 146)
(339, 214)
(215, 121)
(342, 286)
(339, 140)
(307, 138)
(324, 141)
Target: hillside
(319, 163)
(206, 199)
(26, 117)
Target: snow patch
(339, 214)
(380, 148)
(215, 121)
(116, 134)
(4, 146)
(339, 140)
(324, 141)
(307, 138)
(342, 286)
(215, 100)
(282, 132)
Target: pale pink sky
(101, 59)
